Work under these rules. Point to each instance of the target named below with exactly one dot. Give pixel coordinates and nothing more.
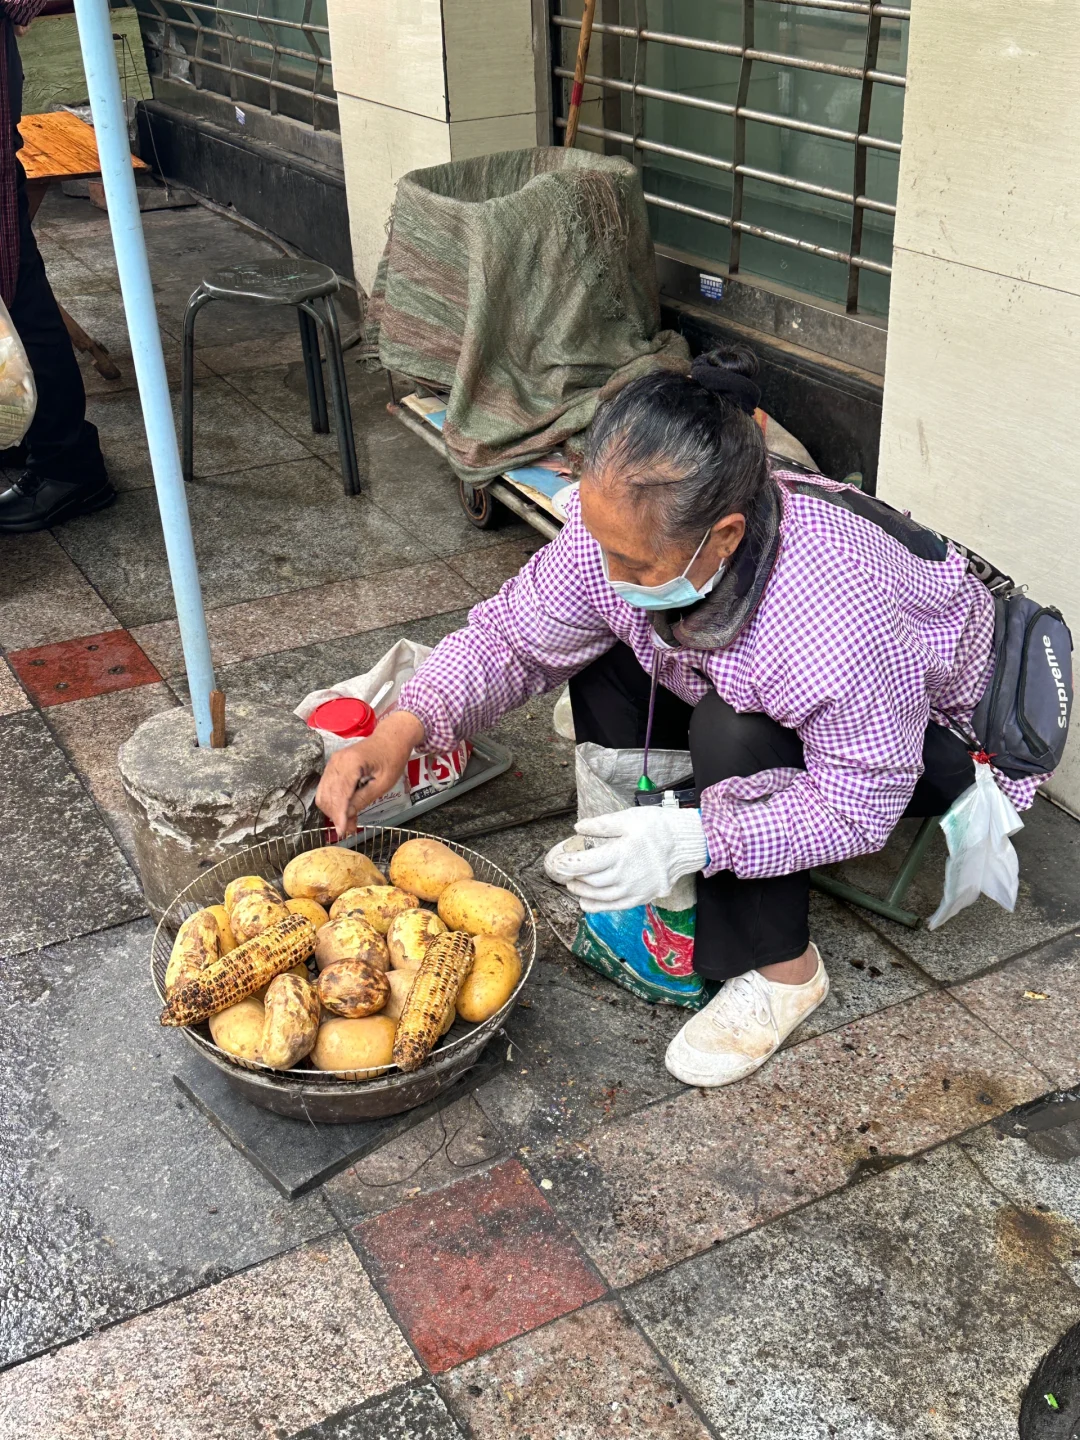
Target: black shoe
(35, 502)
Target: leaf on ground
(1051, 1400)
(1035, 995)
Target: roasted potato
(301, 970)
(253, 913)
(197, 943)
(228, 939)
(409, 936)
(351, 938)
(290, 1021)
(356, 1047)
(324, 874)
(243, 885)
(378, 904)
(310, 909)
(490, 983)
(481, 909)
(239, 1029)
(425, 867)
(353, 988)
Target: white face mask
(675, 594)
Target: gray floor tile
(414, 1414)
(13, 697)
(118, 1192)
(448, 1145)
(61, 873)
(43, 596)
(231, 434)
(916, 1304)
(1045, 1192)
(1048, 903)
(285, 678)
(258, 533)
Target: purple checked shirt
(856, 644)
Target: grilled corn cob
(241, 972)
(439, 977)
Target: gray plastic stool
(308, 287)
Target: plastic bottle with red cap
(345, 717)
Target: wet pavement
(867, 1239)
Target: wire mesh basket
(336, 1095)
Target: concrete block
(990, 171)
(379, 145)
(977, 434)
(193, 807)
(390, 54)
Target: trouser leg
(61, 443)
(744, 924)
(610, 702)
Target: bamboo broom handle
(581, 65)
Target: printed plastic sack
(18, 394)
(648, 950)
(981, 860)
(380, 686)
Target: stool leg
(335, 363)
(309, 343)
(187, 384)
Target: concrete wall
(983, 371)
(421, 82)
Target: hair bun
(728, 372)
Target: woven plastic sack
(18, 394)
(648, 950)
(524, 283)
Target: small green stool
(892, 907)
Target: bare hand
(20, 30)
(360, 774)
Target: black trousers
(741, 924)
(61, 443)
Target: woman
(812, 649)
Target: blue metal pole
(110, 125)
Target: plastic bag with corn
(18, 394)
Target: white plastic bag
(380, 686)
(982, 860)
(18, 394)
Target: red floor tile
(77, 669)
(476, 1264)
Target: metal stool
(308, 287)
(892, 907)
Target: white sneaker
(568, 846)
(745, 1023)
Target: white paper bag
(982, 860)
(380, 687)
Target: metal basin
(326, 1096)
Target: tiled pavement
(845, 1245)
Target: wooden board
(427, 406)
(59, 146)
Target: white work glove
(636, 857)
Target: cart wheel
(477, 504)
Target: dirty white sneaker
(745, 1023)
(564, 847)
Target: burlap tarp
(525, 283)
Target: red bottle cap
(345, 717)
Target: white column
(982, 381)
(421, 82)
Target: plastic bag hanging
(18, 393)
(982, 860)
